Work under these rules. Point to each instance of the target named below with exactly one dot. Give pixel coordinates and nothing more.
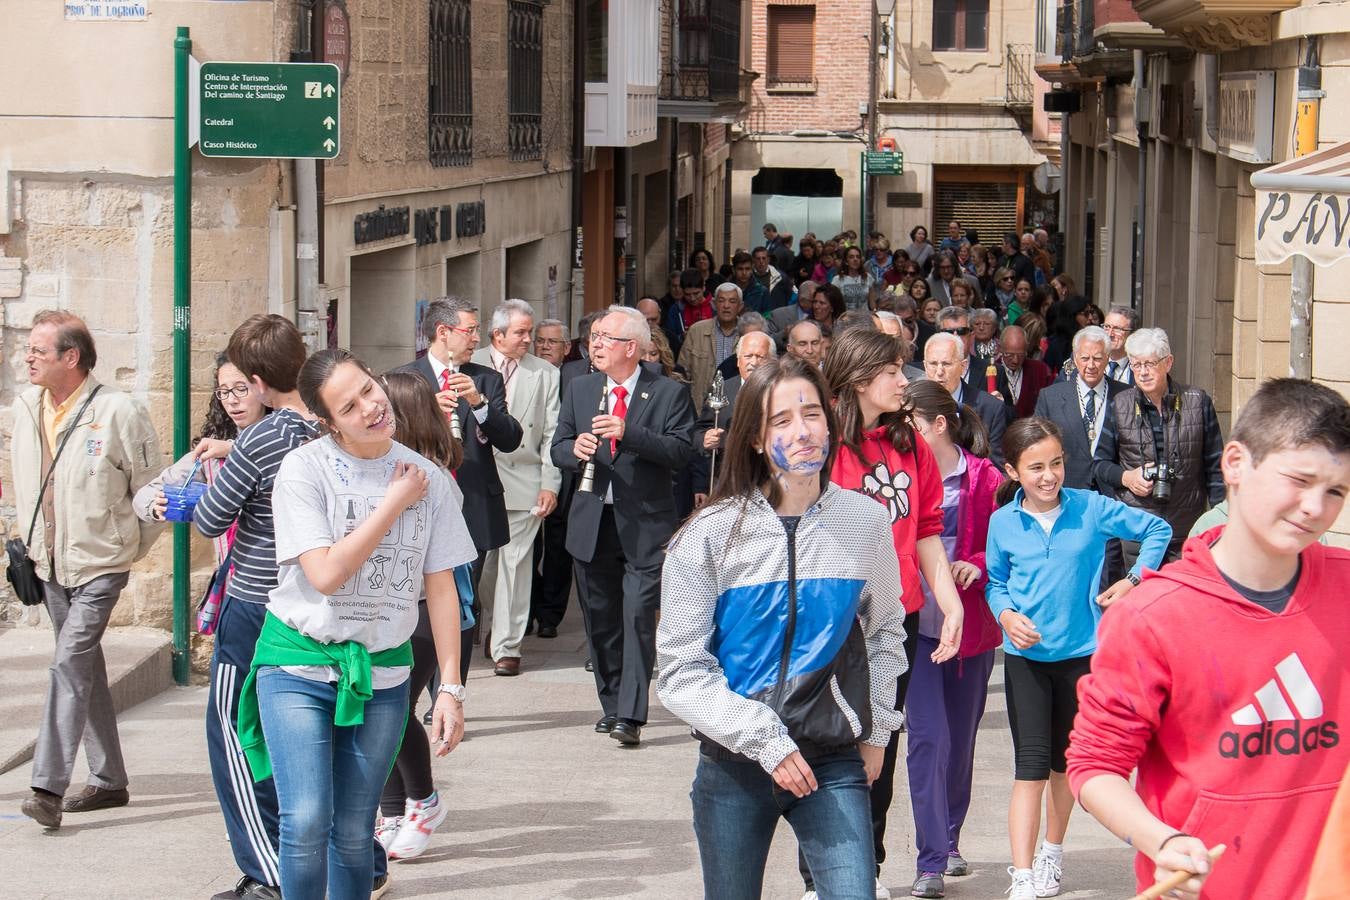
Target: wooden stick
(1179, 878)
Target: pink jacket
(980, 633)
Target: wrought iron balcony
(1019, 74)
(705, 66)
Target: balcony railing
(1019, 89)
(707, 65)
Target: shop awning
(1303, 207)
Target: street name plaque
(274, 110)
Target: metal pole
(182, 335)
(1300, 317)
(862, 197)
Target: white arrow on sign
(328, 122)
(329, 145)
(328, 90)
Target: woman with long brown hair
(882, 456)
(795, 734)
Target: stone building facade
(86, 192)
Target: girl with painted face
(1047, 544)
(780, 644)
(364, 527)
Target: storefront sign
(105, 11)
(337, 37)
(1314, 224)
(435, 223)
(380, 225)
(1247, 115)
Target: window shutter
(791, 51)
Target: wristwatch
(481, 403)
(1133, 578)
(454, 690)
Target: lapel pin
(644, 395)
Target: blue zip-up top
(774, 638)
(1054, 579)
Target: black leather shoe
(590, 666)
(626, 732)
(529, 628)
(548, 631)
(605, 725)
(92, 798)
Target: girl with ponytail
(946, 702)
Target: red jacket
(980, 633)
(910, 485)
(1231, 713)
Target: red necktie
(620, 410)
(445, 379)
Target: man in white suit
(529, 478)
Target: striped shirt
(243, 491)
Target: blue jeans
(737, 807)
(328, 781)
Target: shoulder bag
(22, 573)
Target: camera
(1162, 476)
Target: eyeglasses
(35, 351)
(239, 390)
(609, 340)
(1116, 329)
(477, 329)
(959, 332)
(549, 342)
(1147, 365)
(1006, 278)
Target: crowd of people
(812, 494)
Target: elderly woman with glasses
(1003, 295)
(984, 330)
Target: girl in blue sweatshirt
(1044, 561)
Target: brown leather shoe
(507, 665)
(92, 798)
(45, 809)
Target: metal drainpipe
(578, 154)
(1141, 113)
(1301, 269)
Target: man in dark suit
(476, 396)
(1020, 380)
(945, 361)
(635, 426)
(752, 350)
(1066, 404)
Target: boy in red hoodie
(1223, 677)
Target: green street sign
(885, 162)
(274, 110)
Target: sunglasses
(959, 332)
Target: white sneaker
(1023, 886)
(1046, 874)
(883, 892)
(419, 821)
(810, 895)
(386, 829)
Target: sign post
(271, 110)
(182, 335)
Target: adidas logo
(1291, 690)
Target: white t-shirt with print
(323, 493)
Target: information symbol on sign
(313, 90)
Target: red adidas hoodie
(1232, 714)
(910, 486)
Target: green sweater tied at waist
(281, 645)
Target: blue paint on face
(778, 454)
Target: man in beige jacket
(85, 540)
(709, 343)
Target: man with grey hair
(529, 477)
(1020, 379)
(475, 395)
(946, 361)
(748, 323)
(630, 428)
(1161, 443)
(781, 320)
(1079, 405)
(708, 343)
(752, 350)
(1120, 323)
(552, 342)
(806, 341)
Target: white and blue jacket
(771, 640)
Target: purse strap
(42, 492)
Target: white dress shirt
(629, 385)
(1100, 420)
(438, 368)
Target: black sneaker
(379, 887)
(249, 889)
